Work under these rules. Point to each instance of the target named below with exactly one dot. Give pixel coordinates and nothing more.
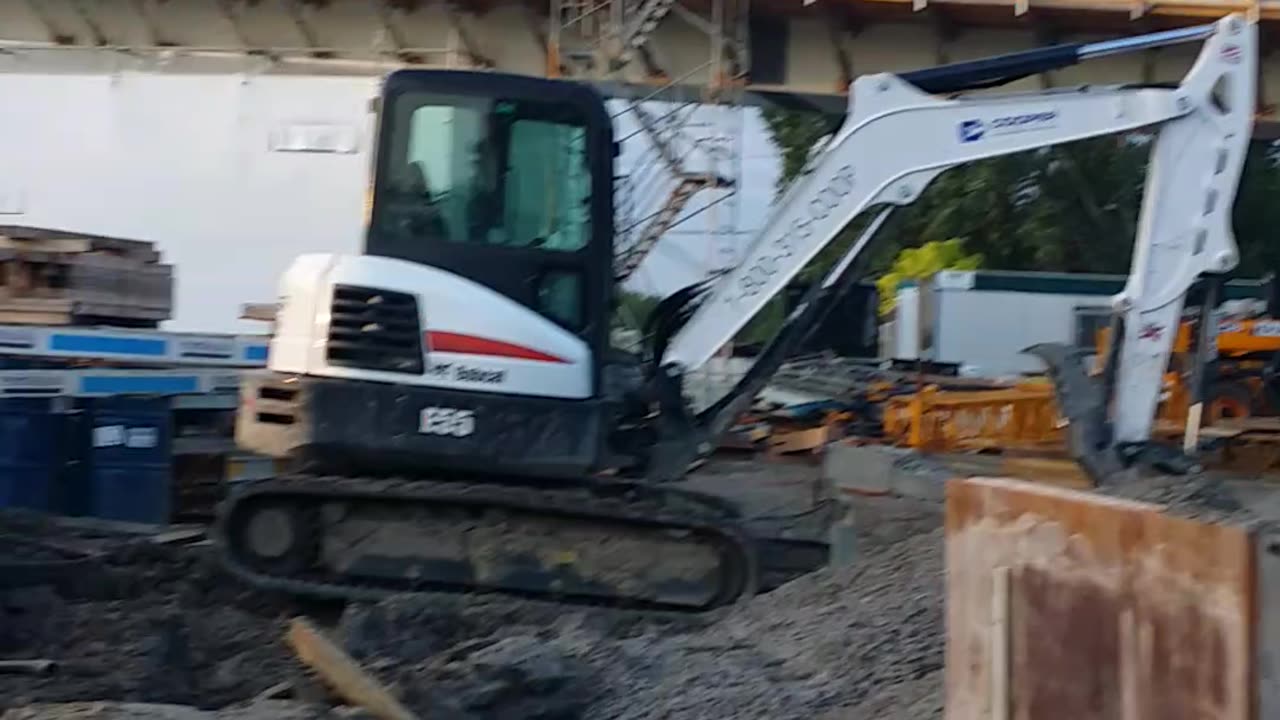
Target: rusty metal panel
(1267, 612)
(1063, 604)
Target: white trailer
(982, 320)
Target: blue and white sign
(147, 346)
(976, 129)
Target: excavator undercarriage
(596, 542)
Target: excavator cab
(504, 180)
(473, 333)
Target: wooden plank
(794, 441)
(264, 312)
(1251, 424)
(342, 673)
(1116, 610)
(21, 317)
(47, 245)
(1220, 432)
(138, 249)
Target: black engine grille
(375, 329)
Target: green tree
(1070, 208)
(633, 309)
(794, 133)
(921, 263)
(765, 324)
(1257, 213)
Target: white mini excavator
(457, 421)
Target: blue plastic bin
(29, 459)
(129, 458)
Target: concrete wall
(188, 161)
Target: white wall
(184, 160)
(989, 329)
(906, 324)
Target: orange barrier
(1022, 417)
(933, 420)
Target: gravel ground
(147, 623)
(1208, 497)
(864, 641)
(161, 624)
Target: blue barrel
(129, 459)
(32, 436)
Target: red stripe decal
(474, 345)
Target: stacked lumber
(55, 277)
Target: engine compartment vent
(375, 329)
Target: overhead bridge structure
(771, 51)
(277, 92)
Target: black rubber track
(624, 503)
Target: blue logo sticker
(970, 131)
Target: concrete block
(843, 538)
(925, 486)
(865, 468)
(878, 469)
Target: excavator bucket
(1082, 400)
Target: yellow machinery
(1247, 350)
(1025, 417)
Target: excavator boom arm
(897, 138)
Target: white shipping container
(984, 319)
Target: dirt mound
(147, 623)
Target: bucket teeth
(1084, 404)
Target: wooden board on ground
(1064, 604)
(344, 674)
(795, 441)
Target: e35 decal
(446, 421)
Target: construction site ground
(152, 629)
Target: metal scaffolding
(689, 125)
